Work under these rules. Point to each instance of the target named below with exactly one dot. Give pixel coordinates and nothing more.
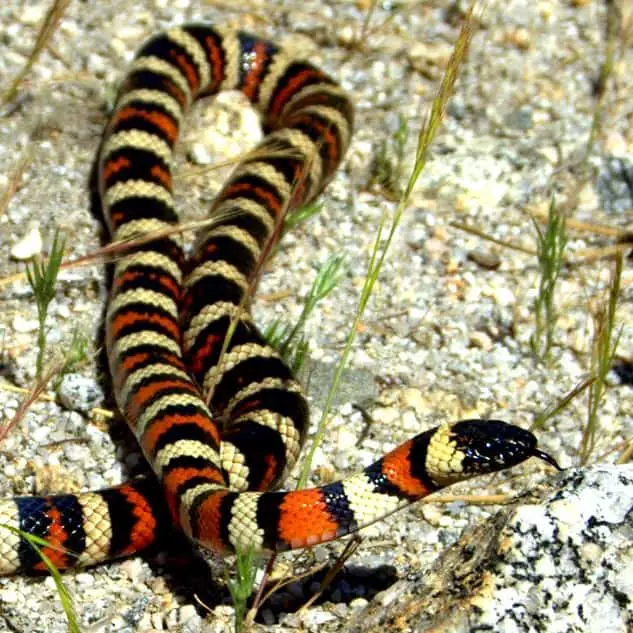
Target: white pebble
(84, 579)
(22, 325)
(40, 434)
(29, 246)
(157, 621)
(32, 14)
(345, 439)
(200, 155)
(187, 612)
(9, 596)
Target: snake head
(475, 447)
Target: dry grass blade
(590, 255)
(272, 150)
(33, 395)
(606, 70)
(116, 250)
(479, 233)
(562, 404)
(475, 500)
(581, 256)
(48, 28)
(385, 232)
(46, 397)
(627, 453)
(579, 225)
(604, 346)
(15, 180)
(626, 23)
(359, 42)
(350, 549)
(263, 258)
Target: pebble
(485, 258)
(346, 439)
(79, 393)
(32, 14)
(520, 38)
(75, 453)
(85, 579)
(41, 434)
(29, 246)
(23, 325)
(316, 617)
(413, 398)
(521, 119)
(480, 340)
(9, 596)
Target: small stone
(75, 452)
(504, 296)
(172, 619)
(519, 37)
(187, 612)
(316, 617)
(386, 415)
(84, 579)
(33, 14)
(521, 119)
(485, 259)
(29, 246)
(200, 155)
(414, 399)
(550, 154)
(345, 439)
(23, 325)
(157, 621)
(456, 108)
(131, 33)
(480, 340)
(615, 144)
(9, 596)
(436, 54)
(41, 434)
(79, 393)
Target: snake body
(176, 368)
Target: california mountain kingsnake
(167, 320)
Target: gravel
(445, 336)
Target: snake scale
(174, 373)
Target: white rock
(32, 14)
(559, 561)
(9, 596)
(23, 326)
(29, 246)
(79, 393)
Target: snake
(217, 412)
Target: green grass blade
(242, 583)
(42, 277)
(379, 251)
(65, 597)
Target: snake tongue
(546, 458)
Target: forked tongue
(546, 458)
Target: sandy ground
(447, 332)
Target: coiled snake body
(167, 321)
